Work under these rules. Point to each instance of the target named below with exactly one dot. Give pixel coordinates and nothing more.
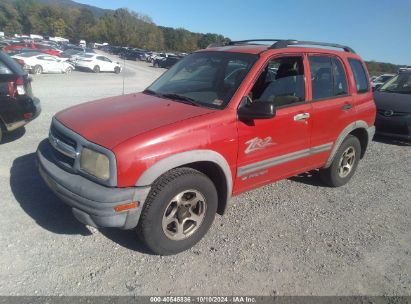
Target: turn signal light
(125, 207)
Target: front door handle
(302, 116)
(347, 106)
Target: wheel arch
(209, 162)
(359, 129)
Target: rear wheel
(96, 69)
(69, 70)
(156, 64)
(38, 69)
(117, 70)
(178, 211)
(344, 164)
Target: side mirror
(256, 110)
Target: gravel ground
(294, 237)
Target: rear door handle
(347, 106)
(302, 116)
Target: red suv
(220, 122)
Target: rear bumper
(34, 110)
(92, 203)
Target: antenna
(124, 67)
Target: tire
(155, 64)
(117, 70)
(344, 164)
(69, 70)
(162, 211)
(38, 69)
(96, 69)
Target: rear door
(332, 103)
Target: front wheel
(178, 211)
(117, 70)
(156, 64)
(96, 69)
(38, 69)
(69, 70)
(344, 164)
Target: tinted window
(281, 82)
(361, 79)
(322, 77)
(340, 79)
(328, 77)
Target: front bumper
(394, 126)
(92, 203)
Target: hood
(393, 101)
(109, 122)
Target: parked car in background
(44, 48)
(393, 101)
(132, 55)
(164, 161)
(18, 106)
(166, 62)
(380, 80)
(43, 63)
(98, 63)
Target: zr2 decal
(257, 143)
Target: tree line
(118, 27)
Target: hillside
(98, 12)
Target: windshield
(207, 79)
(399, 84)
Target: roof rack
(283, 43)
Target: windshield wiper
(182, 98)
(151, 92)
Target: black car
(18, 106)
(393, 101)
(166, 62)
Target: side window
(4, 70)
(328, 77)
(281, 82)
(361, 79)
(321, 77)
(101, 58)
(340, 79)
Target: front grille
(61, 158)
(394, 113)
(64, 138)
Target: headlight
(95, 163)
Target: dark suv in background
(18, 106)
(393, 101)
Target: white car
(98, 63)
(38, 63)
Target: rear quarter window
(361, 80)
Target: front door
(272, 149)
